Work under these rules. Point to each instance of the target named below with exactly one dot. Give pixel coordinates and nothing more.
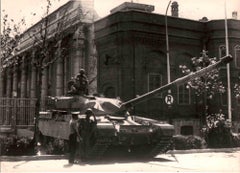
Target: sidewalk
(207, 150)
(54, 157)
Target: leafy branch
(208, 84)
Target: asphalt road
(228, 161)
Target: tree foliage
(44, 42)
(208, 84)
(237, 89)
(9, 36)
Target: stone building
(69, 38)
(131, 46)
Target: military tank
(116, 132)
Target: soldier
(74, 134)
(78, 85)
(82, 83)
(71, 88)
(87, 129)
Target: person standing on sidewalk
(74, 134)
(87, 127)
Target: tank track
(97, 150)
(100, 147)
(165, 144)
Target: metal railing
(17, 111)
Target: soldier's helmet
(81, 71)
(89, 111)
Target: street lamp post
(167, 46)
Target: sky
(191, 9)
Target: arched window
(154, 81)
(184, 95)
(222, 51)
(237, 55)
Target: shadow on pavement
(112, 160)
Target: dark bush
(16, 146)
(218, 132)
(236, 140)
(188, 142)
(55, 146)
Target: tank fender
(106, 129)
(161, 127)
(164, 129)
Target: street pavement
(186, 161)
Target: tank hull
(112, 136)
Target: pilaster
(15, 81)
(1, 81)
(9, 82)
(78, 49)
(44, 84)
(33, 78)
(91, 59)
(23, 79)
(59, 71)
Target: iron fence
(17, 111)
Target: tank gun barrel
(224, 60)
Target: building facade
(69, 37)
(131, 46)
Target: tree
(10, 35)
(9, 38)
(206, 86)
(47, 40)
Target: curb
(203, 150)
(27, 158)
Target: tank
(116, 132)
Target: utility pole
(1, 55)
(167, 47)
(228, 68)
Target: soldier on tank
(82, 83)
(79, 84)
(71, 87)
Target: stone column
(44, 84)
(78, 49)
(1, 81)
(23, 79)
(33, 78)
(9, 82)
(66, 74)
(91, 59)
(15, 81)
(59, 71)
(28, 75)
